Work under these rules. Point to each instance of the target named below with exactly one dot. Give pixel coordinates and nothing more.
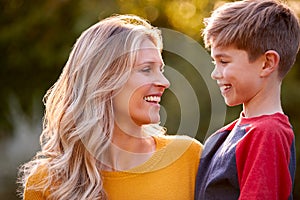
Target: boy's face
(239, 80)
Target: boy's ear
(271, 63)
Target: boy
(253, 44)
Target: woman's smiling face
(138, 101)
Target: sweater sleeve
(262, 159)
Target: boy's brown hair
(256, 26)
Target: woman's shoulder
(35, 184)
(179, 142)
(179, 148)
(39, 173)
(179, 138)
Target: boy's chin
(232, 104)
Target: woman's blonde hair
(79, 118)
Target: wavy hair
(79, 118)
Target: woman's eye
(146, 69)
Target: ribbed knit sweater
(170, 173)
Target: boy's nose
(216, 74)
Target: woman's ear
(271, 63)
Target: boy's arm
(263, 162)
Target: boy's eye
(223, 62)
(220, 62)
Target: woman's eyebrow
(151, 63)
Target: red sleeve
(262, 159)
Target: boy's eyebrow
(219, 55)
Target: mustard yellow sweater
(169, 174)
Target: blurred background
(36, 37)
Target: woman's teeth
(155, 99)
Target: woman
(101, 138)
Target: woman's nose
(162, 81)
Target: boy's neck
(265, 103)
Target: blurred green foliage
(36, 37)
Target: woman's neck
(134, 140)
(128, 150)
